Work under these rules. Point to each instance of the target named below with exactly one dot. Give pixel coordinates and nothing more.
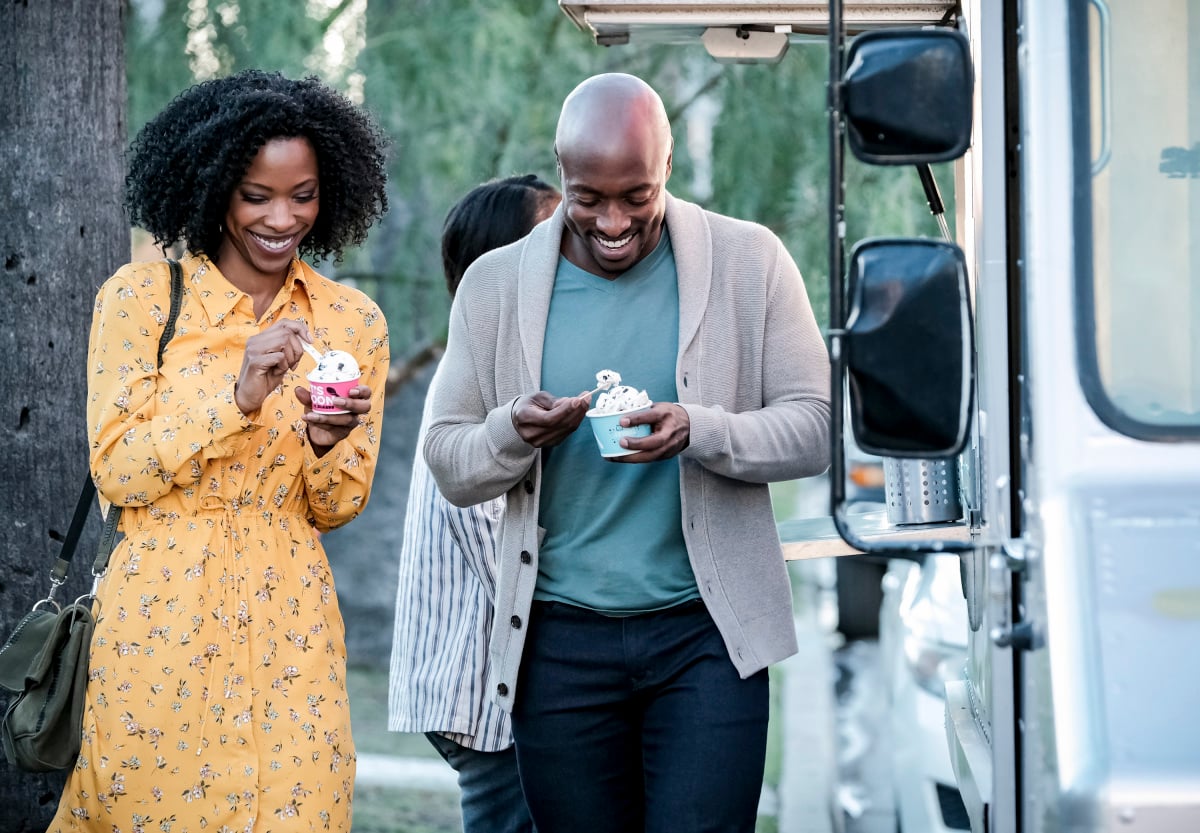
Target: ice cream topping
(605, 379)
(335, 366)
(617, 398)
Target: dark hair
(489, 216)
(187, 160)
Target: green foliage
(156, 60)
(770, 156)
(471, 89)
(173, 43)
(771, 165)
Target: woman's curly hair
(187, 160)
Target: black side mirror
(908, 347)
(907, 96)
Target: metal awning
(613, 22)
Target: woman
(439, 668)
(217, 692)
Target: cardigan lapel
(536, 269)
(691, 241)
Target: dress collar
(219, 296)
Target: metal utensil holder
(921, 491)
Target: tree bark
(62, 232)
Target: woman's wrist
(237, 400)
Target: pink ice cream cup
(324, 393)
(335, 376)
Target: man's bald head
(613, 110)
(614, 157)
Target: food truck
(1040, 360)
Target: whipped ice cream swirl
(335, 366)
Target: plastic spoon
(312, 351)
(605, 385)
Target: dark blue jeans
(637, 723)
(491, 789)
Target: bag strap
(108, 537)
(176, 302)
(62, 564)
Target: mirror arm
(837, 233)
(934, 197)
(909, 550)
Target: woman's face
(271, 210)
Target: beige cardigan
(752, 372)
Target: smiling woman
(187, 161)
(219, 652)
(270, 212)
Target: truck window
(1138, 213)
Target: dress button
(529, 487)
(526, 557)
(515, 622)
(502, 690)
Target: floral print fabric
(216, 698)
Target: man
(639, 599)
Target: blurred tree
(171, 44)
(62, 233)
(771, 164)
(156, 59)
(470, 90)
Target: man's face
(615, 202)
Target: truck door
(1111, 225)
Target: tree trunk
(62, 232)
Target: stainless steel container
(921, 491)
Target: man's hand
(670, 433)
(327, 430)
(544, 420)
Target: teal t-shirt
(614, 531)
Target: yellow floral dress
(216, 698)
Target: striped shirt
(438, 675)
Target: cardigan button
(529, 487)
(515, 622)
(526, 557)
(502, 690)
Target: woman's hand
(327, 430)
(267, 359)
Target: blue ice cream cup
(608, 431)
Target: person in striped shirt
(439, 665)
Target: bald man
(641, 598)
